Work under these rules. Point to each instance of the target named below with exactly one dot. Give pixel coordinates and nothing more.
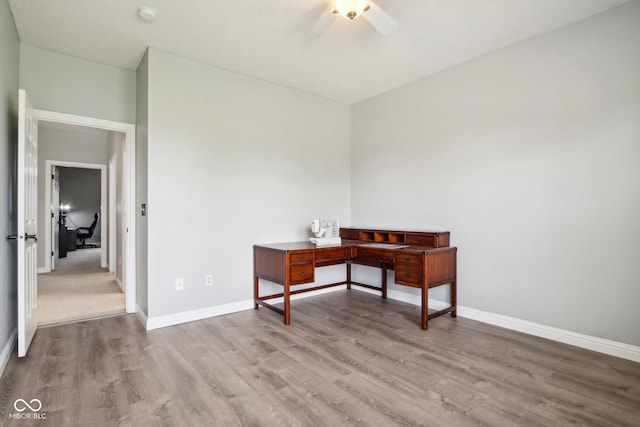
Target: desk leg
(425, 306)
(454, 298)
(384, 283)
(287, 304)
(255, 292)
(348, 263)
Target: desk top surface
(291, 246)
(383, 240)
(300, 246)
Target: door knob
(30, 236)
(12, 237)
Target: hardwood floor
(348, 358)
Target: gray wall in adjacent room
(80, 188)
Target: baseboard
(141, 316)
(310, 294)
(41, 270)
(157, 322)
(404, 297)
(601, 345)
(8, 348)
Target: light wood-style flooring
(348, 358)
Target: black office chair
(83, 233)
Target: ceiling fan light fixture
(351, 9)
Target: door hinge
(52, 215)
(52, 253)
(53, 176)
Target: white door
(27, 223)
(55, 216)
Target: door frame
(49, 165)
(129, 187)
(112, 214)
(53, 221)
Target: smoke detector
(147, 14)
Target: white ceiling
(271, 40)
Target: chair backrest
(95, 221)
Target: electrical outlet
(180, 284)
(208, 280)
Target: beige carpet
(78, 289)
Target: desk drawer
(330, 254)
(305, 256)
(380, 254)
(421, 240)
(409, 275)
(408, 259)
(301, 273)
(374, 257)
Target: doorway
(109, 268)
(77, 284)
(75, 193)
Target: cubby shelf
(439, 239)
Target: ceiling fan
(352, 9)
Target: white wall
(66, 84)
(116, 148)
(65, 143)
(9, 59)
(142, 142)
(233, 161)
(529, 156)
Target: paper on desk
(326, 241)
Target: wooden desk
(72, 239)
(66, 240)
(62, 241)
(420, 259)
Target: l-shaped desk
(420, 259)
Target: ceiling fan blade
(380, 20)
(322, 24)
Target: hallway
(78, 289)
